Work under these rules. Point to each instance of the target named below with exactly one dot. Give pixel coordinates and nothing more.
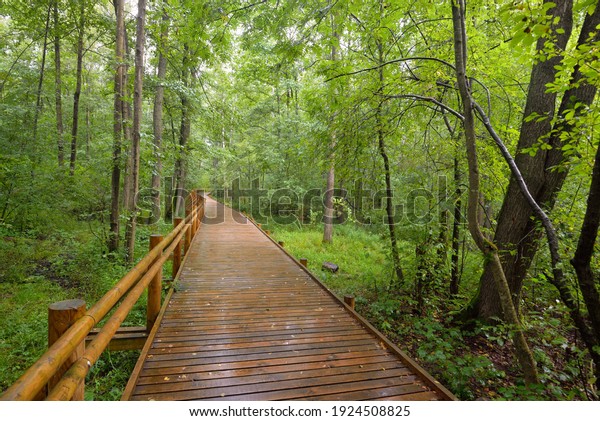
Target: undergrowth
(37, 269)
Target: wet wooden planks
(247, 322)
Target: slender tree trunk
(456, 222)
(389, 192)
(60, 141)
(441, 261)
(127, 132)
(38, 100)
(330, 186)
(77, 93)
(523, 353)
(137, 123)
(184, 135)
(158, 117)
(328, 202)
(113, 240)
(88, 122)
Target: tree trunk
(330, 186)
(77, 93)
(113, 239)
(137, 123)
(127, 131)
(328, 202)
(88, 123)
(523, 353)
(588, 283)
(441, 261)
(516, 231)
(157, 120)
(38, 100)
(184, 135)
(389, 193)
(58, 89)
(457, 220)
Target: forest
(442, 153)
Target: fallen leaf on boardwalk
(167, 379)
(222, 395)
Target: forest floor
(37, 269)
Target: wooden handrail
(66, 387)
(29, 385)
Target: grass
(363, 266)
(37, 270)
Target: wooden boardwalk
(248, 322)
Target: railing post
(61, 316)
(154, 289)
(191, 214)
(304, 262)
(199, 212)
(188, 238)
(349, 299)
(177, 250)
(281, 243)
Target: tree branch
(399, 60)
(429, 99)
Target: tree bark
(77, 93)
(523, 353)
(113, 239)
(516, 231)
(330, 186)
(328, 201)
(389, 192)
(157, 119)
(137, 123)
(38, 99)
(127, 130)
(456, 222)
(184, 135)
(58, 89)
(588, 283)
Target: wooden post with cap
(61, 316)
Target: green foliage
(109, 375)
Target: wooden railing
(60, 373)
